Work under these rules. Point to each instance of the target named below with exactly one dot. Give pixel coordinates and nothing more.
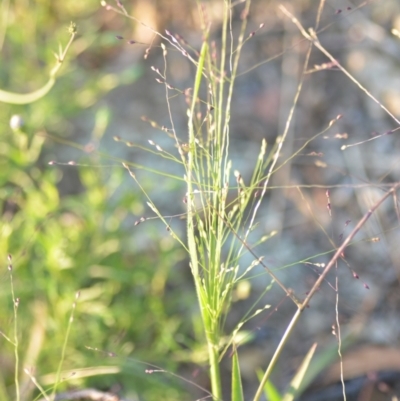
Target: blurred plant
(15, 98)
(78, 241)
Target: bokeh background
(71, 227)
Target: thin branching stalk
(17, 98)
(316, 286)
(313, 38)
(64, 348)
(16, 341)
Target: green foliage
(270, 391)
(293, 390)
(237, 390)
(79, 242)
(82, 240)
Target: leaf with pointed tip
(237, 389)
(295, 384)
(270, 391)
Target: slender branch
(86, 394)
(315, 287)
(346, 242)
(18, 98)
(269, 271)
(311, 35)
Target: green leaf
(237, 389)
(270, 391)
(325, 359)
(295, 384)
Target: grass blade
(237, 389)
(295, 384)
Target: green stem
(16, 341)
(211, 329)
(215, 374)
(19, 98)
